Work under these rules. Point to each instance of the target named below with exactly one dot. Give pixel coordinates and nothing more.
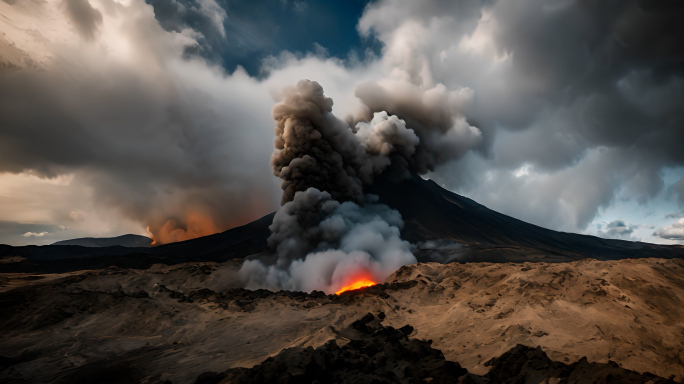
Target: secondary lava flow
(361, 283)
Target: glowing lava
(361, 283)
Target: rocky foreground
(378, 354)
(179, 323)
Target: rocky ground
(175, 323)
(379, 354)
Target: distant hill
(132, 241)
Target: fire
(358, 284)
(154, 239)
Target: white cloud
(34, 234)
(617, 229)
(672, 232)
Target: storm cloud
(557, 89)
(146, 131)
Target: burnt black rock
(378, 354)
(375, 354)
(523, 364)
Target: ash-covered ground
(178, 323)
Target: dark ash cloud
(316, 149)
(146, 131)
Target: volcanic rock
(374, 354)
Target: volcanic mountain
(444, 226)
(108, 315)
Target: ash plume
(328, 232)
(434, 113)
(316, 149)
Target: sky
(155, 117)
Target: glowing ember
(362, 283)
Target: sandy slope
(173, 323)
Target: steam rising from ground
(322, 244)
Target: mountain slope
(474, 233)
(432, 212)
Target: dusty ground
(173, 323)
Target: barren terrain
(176, 322)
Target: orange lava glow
(193, 225)
(154, 240)
(361, 283)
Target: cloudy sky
(154, 117)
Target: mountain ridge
(129, 240)
(430, 212)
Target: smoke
(436, 114)
(316, 149)
(323, 244)
(328, 233)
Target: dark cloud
(238, 32)
(548, 112)
(556, 87)
(144, 151)
(434, 114)
(678, 188)
(84, 17)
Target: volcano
(533, 312)
(445, 227)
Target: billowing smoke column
(435, 113)
(316, 149)
(328, 233)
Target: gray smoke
(328, 233)
(322, 244)
(316, 149)
(434, 113)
